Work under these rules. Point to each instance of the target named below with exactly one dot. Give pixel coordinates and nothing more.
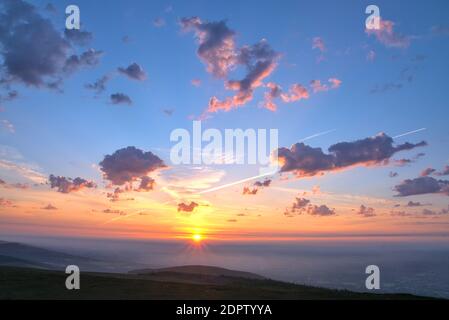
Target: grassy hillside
(26, 283)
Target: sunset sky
(86, 117)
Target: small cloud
(120, 98)
(249, 191)
(49, 207)
(427, 172)
(67, 185)
(78, 37)
(129, 164)
(114, 211)
(302, 205)
(366, 211)
(168, 112)
(8, 126)
(146, 184)
(414, 204)
(6, 203)
(393, 174)
(196, 82)
(159, 22)
(444, 172)
(296, 93)
(371, 55)
(387, 36)
(428, 212)
(100, 85)
(187, 207)
(134, 71)
(265, 183)
(318, 43)
(422, 185)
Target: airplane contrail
(238, 182)
(261, 175)
(317, 135)
(407, 133)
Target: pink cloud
(196, 82)
(296, 92)
(387, 36)
(318, 43)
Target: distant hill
(23, 255)
(37, 257)
(200, 270)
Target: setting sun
(197, 237)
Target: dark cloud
(302, 205)
(393, 174)
(426, 172)
(265, 183)
(366, 211)
(402, 162)
(400, 213)
(249, 191)
(114, 211)
(134, 71)
(129, 164)
(428, 212)
(50, 207)
(120, 98)
(322, 210)
(6, 203)
(33, 52)
(100, 85)
(78, 37)
(2, 182)
(89, 58)
(67, 185)
(216, 44)
(168, 112)
(307, 161)
(187, 207)
(414, 204)
(422, 185)
(115, 195)
(444, 172)
(11, 95)
(146, 184)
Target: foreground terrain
(177, 283)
